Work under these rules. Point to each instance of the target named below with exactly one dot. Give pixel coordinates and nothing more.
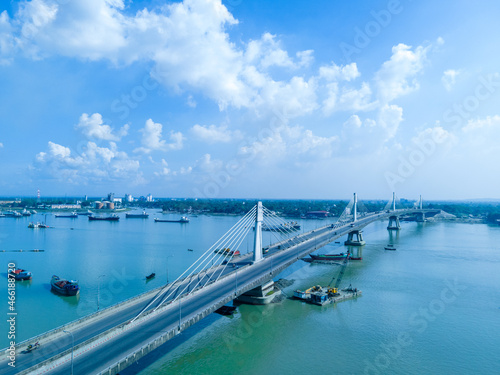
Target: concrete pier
(355, 238)
(262, 295)
(394, 223)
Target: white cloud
(214, 134)
(397, 76)
(482, 124)
(390, 116)
(449, 78)
(1, 145)
(94, 164)
(291, 143)
(152, 139)
(334, 72)
(93, 127)
(6, 39)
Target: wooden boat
(149, 277)
(64, 287)
(20, 274)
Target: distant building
(129, 198)
(98, 205)
(111, 196)
(149, 198)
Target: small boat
(149, 277)
(183, 219)
(190, 250)
(20, 274)
(33, 212)
(64, 287)
(113, 217)
(13, 214)
(26, 212)
(226, 310)
(37, 225)
(390, 247)
(143, 215)
(72, 215)
(86, 213)
(340, 256)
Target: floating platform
(324, 295)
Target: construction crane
(334, 290)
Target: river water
(430, 307)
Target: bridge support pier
(394, 223)
(262, 295)
(355, 238)
(421, 217)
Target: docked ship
(13, 214)
(85, 213)
(64, 287)
(340, 256)
(183, 219)
(20, 274)
(72, 215)
(142, 215)
(113, 217)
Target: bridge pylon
(257, 244)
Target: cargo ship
(72, 215)
(113, 217)
(143, 215)
(183, 219)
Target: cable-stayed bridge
(113, 338)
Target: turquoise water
(79, 249)
(431, 307)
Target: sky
(250, 98)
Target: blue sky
(258, 99)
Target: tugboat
(20, 274)
(64, 287)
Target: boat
(190, 250)
(25, 212)
(13, 214)
(33, 212)
(64, 287)
(86, 213)
(390, 247)
(149, 277)
(340, 256)
(113, 217)
(226, 310)
(20, 274)
(183, 219)
(143, 215)
(71, 215)
(37, 225)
